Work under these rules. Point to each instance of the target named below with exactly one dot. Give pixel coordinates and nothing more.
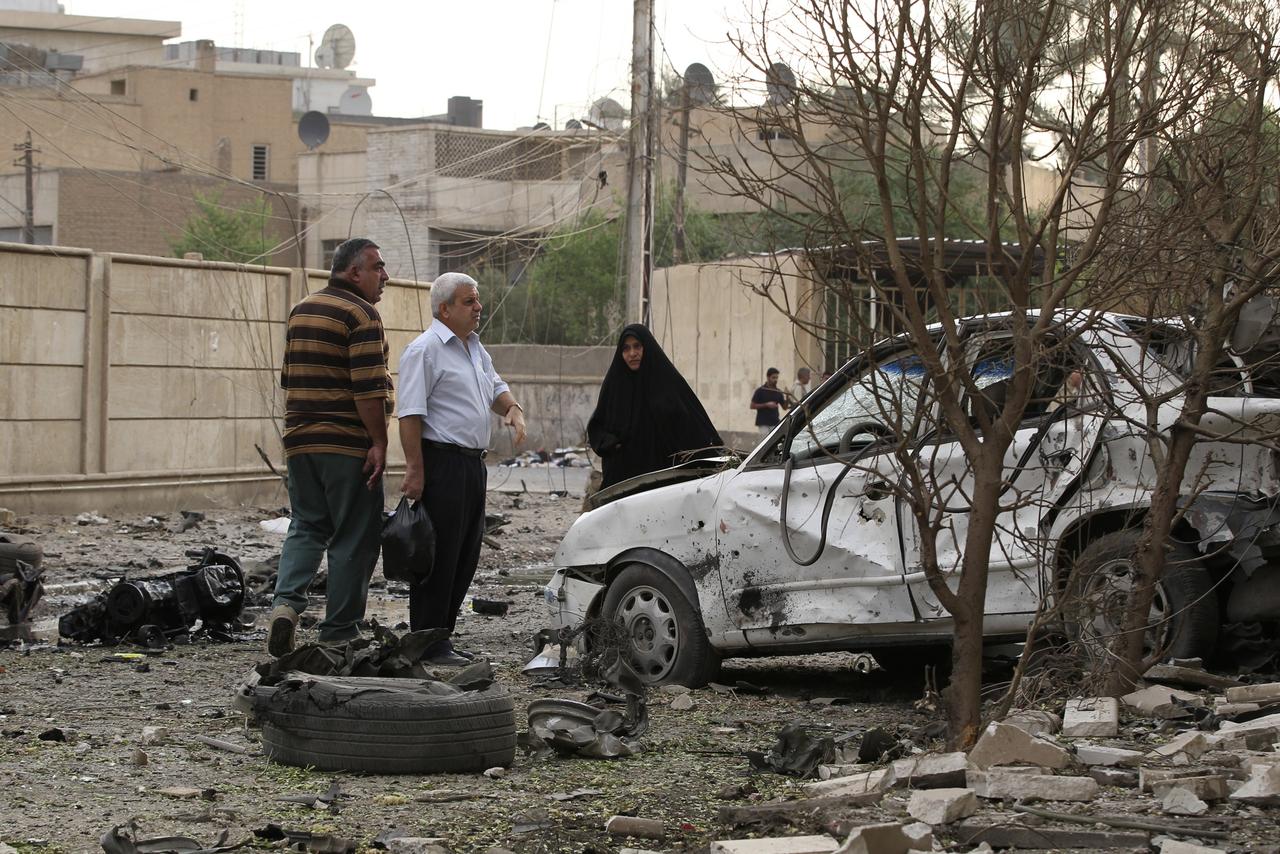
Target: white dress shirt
(450, 385)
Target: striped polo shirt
(335, 354)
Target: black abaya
(645, 417)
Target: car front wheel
(1183, 621)
(661, 630)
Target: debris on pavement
(796, 753)
(209, 595)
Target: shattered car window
(883, 401)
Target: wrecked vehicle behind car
(810, 543)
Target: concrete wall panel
(45, 393)
(156, 340)
(41, 337)
(188, 444)
(37, 448)
(39, 280)
(188, 291)
(186, 392)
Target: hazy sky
(499, 51)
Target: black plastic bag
(408, 543)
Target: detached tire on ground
(1184, 610)
(664, 637)
(385, 726)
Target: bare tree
(1031, 128)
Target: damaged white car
(806, 545)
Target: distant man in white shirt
(802, 386)
(448, 387)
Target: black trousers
(453, 494)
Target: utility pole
(639, 242)
(27, 162)
(682, 174)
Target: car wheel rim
(652, 634)
(1104, 605)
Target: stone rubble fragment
(930, 771)
(854, 784)
(1192, 743)
(1118, 777)
(1148, 777)
(1101, 754)
(1000, 783)
(1265, 693)
(1034, 721)
(886, 838)
(1210, 787)
(1178, 801)
(1157, 701)
(1091, 717)
(1190, 672)
(919, 836)
(776, 845)
(681, 703)
(1261, 789)
(942, 806)
(1002, 744)
(1177, 846)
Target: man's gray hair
(347, 253)
(444, 287)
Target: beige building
(102, 42)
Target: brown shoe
(281, 632)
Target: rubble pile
(1162, 768)
(559, 458)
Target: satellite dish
(542, 126)
(781, 83)
(700, 83)
(313, 129)
(573, 124)
(608, 114)
(356, 102)
(337, 47)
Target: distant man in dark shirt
(338, 399)
(768, 401)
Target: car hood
(692, 470)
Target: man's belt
(478, 453)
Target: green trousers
(333, 511)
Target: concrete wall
(722, 328)
(138, 383)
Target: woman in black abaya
(646, 413)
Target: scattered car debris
(797, 753)
(123, 840)
(574, 728)
(150, 611)
(490, 607)
(558, 458)
(315, 843)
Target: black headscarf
(645, 417)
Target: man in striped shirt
(338, 400)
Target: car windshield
(880, 403)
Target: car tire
(386, 726)
(664, 637)
(1184, 611)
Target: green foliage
(220, 233)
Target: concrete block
(1178, 801)
(855, 784)
(1148, 777)
(1034, 721)
(930, 771)
(1192, 743)
(1119, 777)
(887, 838)
(1177, 846)
(1157, 701)
(1100, 754)
(777, 845)
(919, 836)
(1091, 717)
(999, 783)
(629, 825)
(1266, 722)
(1210, 787)
(1261, 789)
(1264, 693)
(1223, 709)
(942, 806)
(1184, 674)
(1002, 744)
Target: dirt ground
(64, 795)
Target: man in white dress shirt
(448, 387)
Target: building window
(193, 95)
(260, 163)
(43, 235)
(772, 135)
(117, 87)
(329, 247)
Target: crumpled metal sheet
(797, 753)
(579, 729)
(118, 840)
(1247, 530)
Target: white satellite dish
(337, 47)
